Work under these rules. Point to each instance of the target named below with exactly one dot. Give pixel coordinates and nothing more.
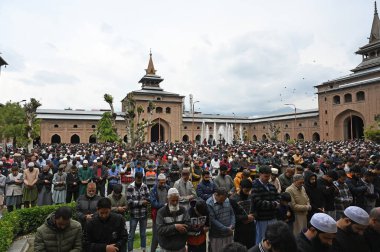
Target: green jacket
(48, 238)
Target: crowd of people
(261, 196)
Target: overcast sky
(241, 56)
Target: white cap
(274, 171)
(64, 159)
(31, 164)
(173, 191)
(324, 223)
(195, 155)
(175, 159)
(170, 157)
(244, 155)
(85, 161)
(161, 176)
(357, 215)
(1, 163)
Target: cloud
(41, 78)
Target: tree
(105, 132)
(373, 132)
(32, 127)
(274, 131)
(109, 99)
(12, 123)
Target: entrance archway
(157, 133)
(300, 136)
(92, 139)
(353, 128)
(185, 138)
(287, 137)
(56, 139)
(316, 137)
(125, 139)
(264, 137)
(254, 138)
(75, 139)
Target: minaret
(371, 51)
(150, 80)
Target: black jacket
(70, 179)
(373, 239)
(349, 242)
(264, 201)
(168, 236)
(315, 194)
(357, 189)
(41, 181)
(100, 233)
(328, 191)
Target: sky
(248, 57)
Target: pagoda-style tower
(150, 80)
(371, 51)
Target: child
(285, 213)
(199, 218)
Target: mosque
(346, 106)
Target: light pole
(295, 118)
(235, 127)
(192, 127)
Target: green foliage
(12, 123)
(373, 132)
(24, 221)
(105, 131)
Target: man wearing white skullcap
(172, 224)
(319, 235)
(351, 227)
(158, 199)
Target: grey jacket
(2, 184)
(13, 189)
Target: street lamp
(235, 127)
(192, 127)
(295, 118)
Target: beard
(316, 242)
(174, 208)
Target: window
(286, 126)
(263, 127)
(210, 128)
(325, 112)
(93, 126)
(300, 124)
(75, 126)
(336, 99)
(327, 134)
(198, 127)
(158, 110)
(243, 128)
(315, 124)
(186, 127)
(56, 126)
(158, 98)
(168, 110)
(347, 98)
(360, 96)
(327, 122)
(254, 127)
(325, 98)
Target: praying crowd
(260, 196)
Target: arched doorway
(92, 139)
(286, 137)
(353, 127)
(254, 138)
(75, 139)
(300, 136)
(198, 139)
(264, 137)
(56, 139)
(185, 138)
(125, 139)
(316, 137)
(157, 133)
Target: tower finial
(150, 69)
(375, 8)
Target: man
(59, 186)
(372, 233)
(351, 227)
(13, 192)
(85, 175)
(100, 177)
(206, 188)
(274, 179)
(174, 171)
(106, 231)
(300, 203)
(45, 179)
(2, 192)
(241, 175)
(222, 220)
(245, 225)
(371, 195)
(357, 188)
(343, 198)
(286, 178)
(326, 186)
(73, 182)
(185, 188)
(215, 164)
(172, 224)
(113, 178)
(298, 159)
(278, 238)
(315, 195)
(319, 235)
(118, 200)
(158, 199)
(86, 204)
(138, 199)
(265, 202)
(224, 180)
(59, 233)
(30, 192)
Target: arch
(185, 138)
(93, 126)
(75, 139)
(211, 137)
(75, 126)
(158, 110)
(254, 138)
(300, 136)
(168, 110)
(286, 137)
(55, 139)
(264, 137)
(316, 137)
(198, 138)
(347, 98)
(348, 125)
(56, 126)
(92, 139)
(125, 139)
(360, 96)
(159, 131)
(336, 99)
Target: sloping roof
(61, 114)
